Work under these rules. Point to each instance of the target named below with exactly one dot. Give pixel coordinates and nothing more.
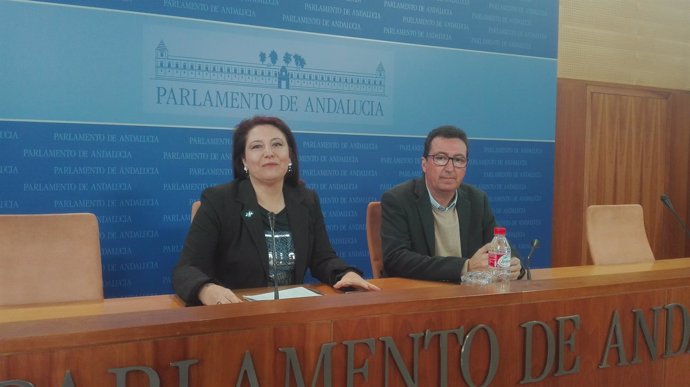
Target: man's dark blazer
(407, 231)
(226, 241)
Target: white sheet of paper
(285, 294)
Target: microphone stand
(535, 244)
(274, 268)
(667, 202)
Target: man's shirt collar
(438, 206)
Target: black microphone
(272, 224)
(535, 244)
(667, 202)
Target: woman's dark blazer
(226, 243)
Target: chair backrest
(616, 234)
(195, 208)
(50, 258)
(373, 225)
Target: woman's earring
(289, 167)
(246, 171)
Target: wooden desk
(590, 270)
(566, 327)
(162, 302)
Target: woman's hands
(353, 280)
(212, 294)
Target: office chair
(373, 226)
(616, 234)
(50, 258)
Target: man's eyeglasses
(441, 159)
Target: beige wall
(643, 42)
(635, 54)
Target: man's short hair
(446, 131)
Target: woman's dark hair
(239, 142)
(446, 131)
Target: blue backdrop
(125, 109)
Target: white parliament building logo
(275, 83)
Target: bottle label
(493, 259)
(504, 262)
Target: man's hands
(480, 261)
(515, 267)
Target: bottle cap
(499, 231)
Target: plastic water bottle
(499, 256)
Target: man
(437, 228)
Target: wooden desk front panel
(677, 368)
(591, 338)
(220, 337)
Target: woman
(266, 208)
